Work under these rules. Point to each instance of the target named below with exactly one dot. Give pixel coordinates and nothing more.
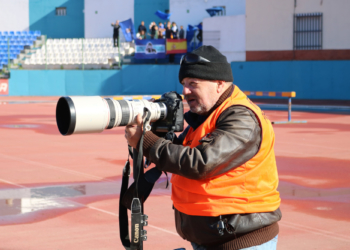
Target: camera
(93, 114)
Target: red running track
(62, 192)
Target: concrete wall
(100, 14)
(42, 16)
(14, 15)
(329, 80)
(145, 9)
(231, 44)
(270, 23)
(193, 12)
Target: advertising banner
(4, 86)
(150, 49)
(176, 46)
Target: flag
(176, 46)
(162, 15)
(150, 48)
(194, 37)
(128, 30)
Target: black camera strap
(138, 219)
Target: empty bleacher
(72, 53)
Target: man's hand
(133, 132)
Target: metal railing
(308, 29)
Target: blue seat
(5, 57)
(18, 33)
(29, 42)
(22, 37)
(31, 33)
(12, 33)
(0, 33)
(1, 67)
(3, 46)
(13, 56)
(4, 38)
(5, 33)
(37, 33)
(24, 33)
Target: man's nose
(186, 91)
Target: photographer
(224, 174)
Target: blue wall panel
(309, 79)
(144, 11)
(42, 16)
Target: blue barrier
(328, 80)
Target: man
(182, 32)
(152, 28)
(142, 27)
(224, 177)
(116, 28)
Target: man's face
(142, 23)
(201, 95)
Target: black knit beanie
(217, 69)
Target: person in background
(161, 28)
(152, 28)
(142, 27)
(141, 35)
(168, 31)
(116, 28)
(156, 32)
(182, 32)
(174, 30)
(160, 34)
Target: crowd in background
(167, 30)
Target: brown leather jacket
(237, 129)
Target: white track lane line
(54, 167)
(91, 207)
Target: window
(61, 11)
(308, 31)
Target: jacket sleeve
(235, 140)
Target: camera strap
(138, 219)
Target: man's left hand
(133, 132)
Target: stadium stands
(13, 42)
(72, 53)
(28, 49)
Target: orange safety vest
(249, 188)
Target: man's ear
(221, 86)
